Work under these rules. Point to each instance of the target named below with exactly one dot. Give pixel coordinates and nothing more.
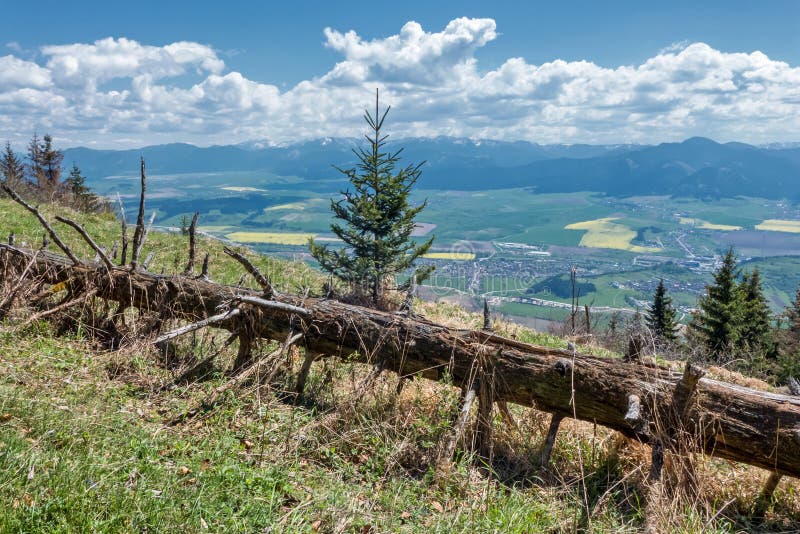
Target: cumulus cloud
(119, 92)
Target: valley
(510, 246)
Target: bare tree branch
(88, 239)
(192, 229)
(272, 304)
(198, 325)
(139, 232)
(261, 280)
(13, 194)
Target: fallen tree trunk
(721, 419)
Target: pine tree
(82, 196)
(661, 316)
(792, 315)
(719, 318)
(756, 323)
(376, 218)
(35, 168)
(12, 168)
(51, 159)
(790, 336)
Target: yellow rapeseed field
(705, 225)
(460, 256)
(239, 189)
(276, 238)
(604, 233)
(299, 206)
(779, 225)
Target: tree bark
(725, 420)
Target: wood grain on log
(729, 421)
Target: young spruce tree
(719, 318)
(661, 316)
(756, 325)
(82, 197)
(375, 219)
(12, 168)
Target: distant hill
(696, 167)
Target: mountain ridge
(698, 166)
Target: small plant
(376, 220)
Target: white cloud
(119, 92)
(110, 58)
(17, 73)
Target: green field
(601, 235)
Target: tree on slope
(35, 168)
(82, 197)
(375, 219)
(756, 319)
(12, 168)
(51, 159)
(661, 316)
(719, 317)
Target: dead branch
(192, 229)
(204, 272)
(88, 239)
(8, 300)
(272, 305)
(220, 317)
(139, 232)
(261, 280)
(550, 440)
(124, 222)
(459, 428)
(63, 306)
(13, 194)
(238, 379)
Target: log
(728, 421)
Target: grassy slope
(84, 445)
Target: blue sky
(546, 72)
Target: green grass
(171, 250)
(93, 455)
(85, 445)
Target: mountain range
(696, 167)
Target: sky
(129, 74)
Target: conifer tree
(661, 315)
(756, 324)
(792, 315)
(374, 219)
(790, 336)
(719, 318)
(35, 168)
(51, 159)
(12, 168)
(82, 196)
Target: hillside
(95, 453)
